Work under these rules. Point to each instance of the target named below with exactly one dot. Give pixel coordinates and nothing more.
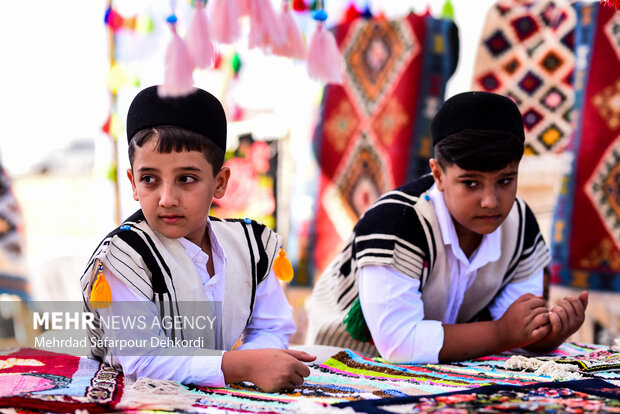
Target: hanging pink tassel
(325, 63)
(294, 46)
(178, 77)
(244, 7)
(258, 35)
(265, 32)
(199, 39)
(225, 26)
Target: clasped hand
(529, 323)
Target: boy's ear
(438, 174)
(133, 184)
(221, 182)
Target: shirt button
(200, 260)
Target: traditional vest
(160, 270)
(401, 230)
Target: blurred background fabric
(13, 271)
(373, 131)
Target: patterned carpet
(526, 52)
(373, 132)
(587, 396)
(586, 230)
(35, 380)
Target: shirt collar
(489, 249)
(194, 251)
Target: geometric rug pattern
(586, 228)
(527, 53)
(373, 131)
(583, 396)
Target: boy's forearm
(234, 367)
(471, 340)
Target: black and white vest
(401, 230)
(160, 270)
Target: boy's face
(478, 201)
(175, 190)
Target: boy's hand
(271, 370)
(566, 318)
(524, 322)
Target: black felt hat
(199, 111)
(477, 111)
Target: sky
(55, 63)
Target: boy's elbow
(418, 345)
(135, 367)
(399, 352)
(394, 356)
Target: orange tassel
(282, 267)
(101, 294)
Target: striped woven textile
(37, 380)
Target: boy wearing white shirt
(170, 257)
(450, 266)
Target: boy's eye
(506, 181)
(147, 179)
(469, 183)
(187, 179)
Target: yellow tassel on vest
(101, 294)
(282, 267)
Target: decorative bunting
(225, 26)
(294, 45)
(265, 32)
(351, 13)
(299, 5)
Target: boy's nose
(489, 200)
(168, 197)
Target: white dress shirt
(270, 326)
(395, 317)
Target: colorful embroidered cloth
(40, 380)
(48, 381)
(601, 360)
(349, 376)
(526, 52)
(585, 396)
(586, 230)
(373, 132)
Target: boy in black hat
(170, 255)
(450, 266)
